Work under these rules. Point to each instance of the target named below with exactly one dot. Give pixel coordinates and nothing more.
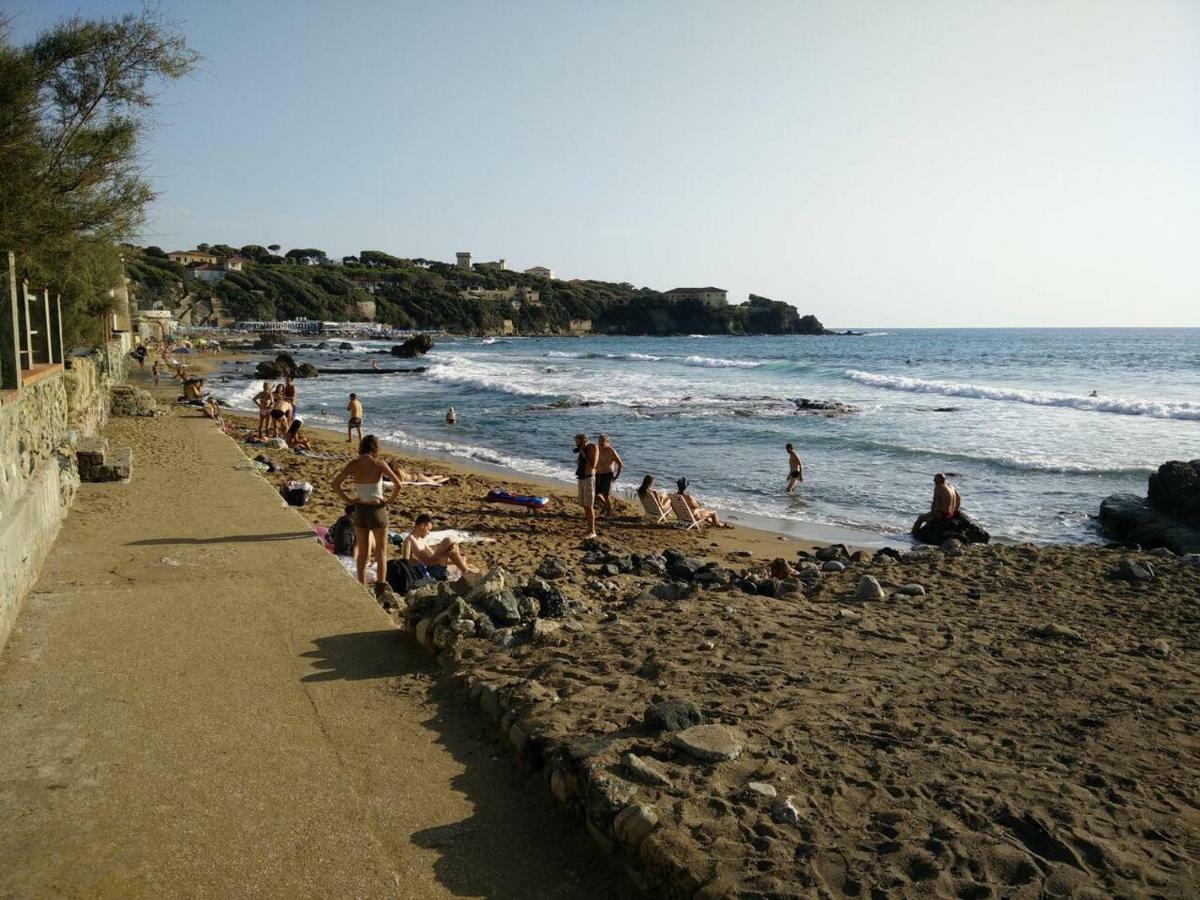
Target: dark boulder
(961, 527)
(269, 342)
(1130, 518)
(306, 370)
(269, 369)
(417, 345)
(672, 715)
(1175, 490)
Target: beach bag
(402, 575)
(341, 535)
(296, 493)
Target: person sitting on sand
(432, 561)
(658, 498)
(193, 389)
(296, 440)
(370, 506)
(281, 412)
(451, 417)
(946, 503)
(609, 466)
(355, 408)
(780, 568)
(212, 409)
(264, 401)
(795, 468)
(702, 515)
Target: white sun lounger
(683, 513)
(654, 512)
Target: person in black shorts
(795, 469)
(609, 466)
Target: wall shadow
(517, 844)
(228, 539)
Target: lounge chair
(683, 513)
(654, 512)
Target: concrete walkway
(197, 701)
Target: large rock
(1175, 490)
(1128, 517)
(125, 400)
(417, 345)
(961, 527)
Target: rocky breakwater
(952, 721)
(1168, 516)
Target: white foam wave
(707, 362)
(716, 362)
(1157, 409)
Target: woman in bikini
(281, 412)
(367, 472)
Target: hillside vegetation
(417, 293)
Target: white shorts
(587, 491)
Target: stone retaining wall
(39, 427)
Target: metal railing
(30, 328)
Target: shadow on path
(362, 654)
(228, 539)
(517, 843)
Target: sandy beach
(994, 721)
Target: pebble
(833, 566)
(849, 615)
(1134, 571)
(708, 645)
(634, 823)
(1159, 649)
(868, 589)
(709, 743)
(545, 630)
(911, 590)
(762, 789)
(1054, 631)
(784, 811)
(644, 771)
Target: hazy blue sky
(890, 163)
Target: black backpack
(401, 575)
(341, 535)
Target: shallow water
(1010, 411)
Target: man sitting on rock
(946, 503)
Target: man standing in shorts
(585, 477)
(356, 416)
(609, 466)
(795, 468)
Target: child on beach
(156, 369)
(355, 408)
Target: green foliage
(74, 104)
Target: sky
(874, 163)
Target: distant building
(540, 272)
(213, 274)
(192, 258)
(232, 263)
(709, 296)
(580, 326)
(154, 323)
(497, 266)
(464, 259)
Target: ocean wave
(707, 362)
(1007, 461)
(1156, 409)
(479, 454)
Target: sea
(1037, 426)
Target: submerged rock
(417, 345)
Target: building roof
(686, 290)
(190, 253)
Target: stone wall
(39, 427)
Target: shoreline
(758, 528)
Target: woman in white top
(367, 472)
